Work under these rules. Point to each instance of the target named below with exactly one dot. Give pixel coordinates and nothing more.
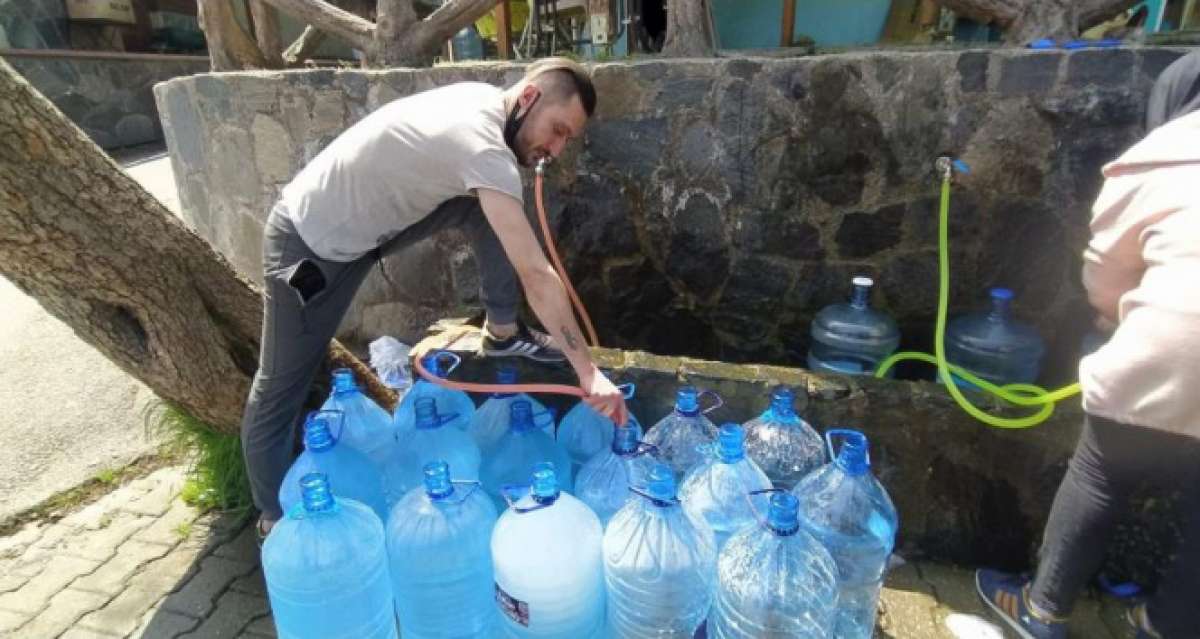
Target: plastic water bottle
(433, 439)
(325, 565)
(546, 550)
(490, 420)
(584, 432)
(512, 458)
(659, 564)
(847, 510)
(784, 446)
(852, 338)
(603, 483)
(440, 553)
(449, 401)
(367, 427)
(716, 491)
(679, 435)
(355, 476)
(995, 346)
(774, 580)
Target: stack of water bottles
(450, 520)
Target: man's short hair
(562, 78)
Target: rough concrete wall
(110, 99)
(715, 205)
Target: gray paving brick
(101, 545)
(167, 483)
(113, 576)
(161, 624)
(14, 545)
(243, 547)
(234, 612)
(10, 582)
(169, 573)
(97, 514)
(123, 614)
(166, 529)
(262, 627)
(64, 610)
(83, 633)
(196, 596)
(251, 584)
(10, 621)
(36, 593)
(31, 563)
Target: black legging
(1110, 460)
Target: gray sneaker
(526, 342)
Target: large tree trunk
(266, 32)
(689, 33)
(106, 258)
(230, 48)
(1024, 21)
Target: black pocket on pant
(307, 280)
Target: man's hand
(604, 397)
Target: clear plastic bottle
(718, 490)
(549, 569)
(783, 445)
(491, 418)
(584, 432)
(433, 439)
(355, 476)
(995, 346)
(449, 401)
(845, 508)
(852, 338)
(440, 554)
(325, 565)
(603, 483)
(512, 458)
(774, 580)
(367, 427)
(659, 565)
(679, 436)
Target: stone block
(273, 151)
(196, 597)
(37, 592)
(1028, 74)
(865, 234)
(135, 128)
(64, 610)
(972, 71)
(1101, 67)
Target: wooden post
(786, 36)
(503, 30)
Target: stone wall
(109, 96)
(715, 205)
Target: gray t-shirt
(396, 166)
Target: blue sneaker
(1008, 596)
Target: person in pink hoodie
(1141, 389)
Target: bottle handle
(627, 389)
(512, 493)
(717, 401)
(674, 501)
(462, 497)
(840, 432)
(453, 358)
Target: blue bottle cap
(625, 440)
(783, 401)
(783, 514)
(315, 493)
(437, 480)
(343, 380)
(852, 458)
(520, 415)
(687, 401)
(730, 440)
(545, 483)
(319, 427)
(425, 409)
(660, 485)
(1001, 302)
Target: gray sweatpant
(304, 300)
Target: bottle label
(516, 610)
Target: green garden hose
(1017, 394)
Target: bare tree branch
(230, 48)
(304, 47)
(358, 32)
(266, 32)
(1027, 20)
(451, 17)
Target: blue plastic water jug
(852, 338)
(367, 427)
(512, 458)
(679, 436)
(849, 512)
(717, 490)
(995, 346)
(433, 439)
(325, 565)
(774, 580)
(783, 445)
(603, 483)
(439, 550)
(584, 432)
(355, 476)
(449, 401)
(659, 564)
(546, 550)
(490, 420)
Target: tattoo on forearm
(572, 341)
